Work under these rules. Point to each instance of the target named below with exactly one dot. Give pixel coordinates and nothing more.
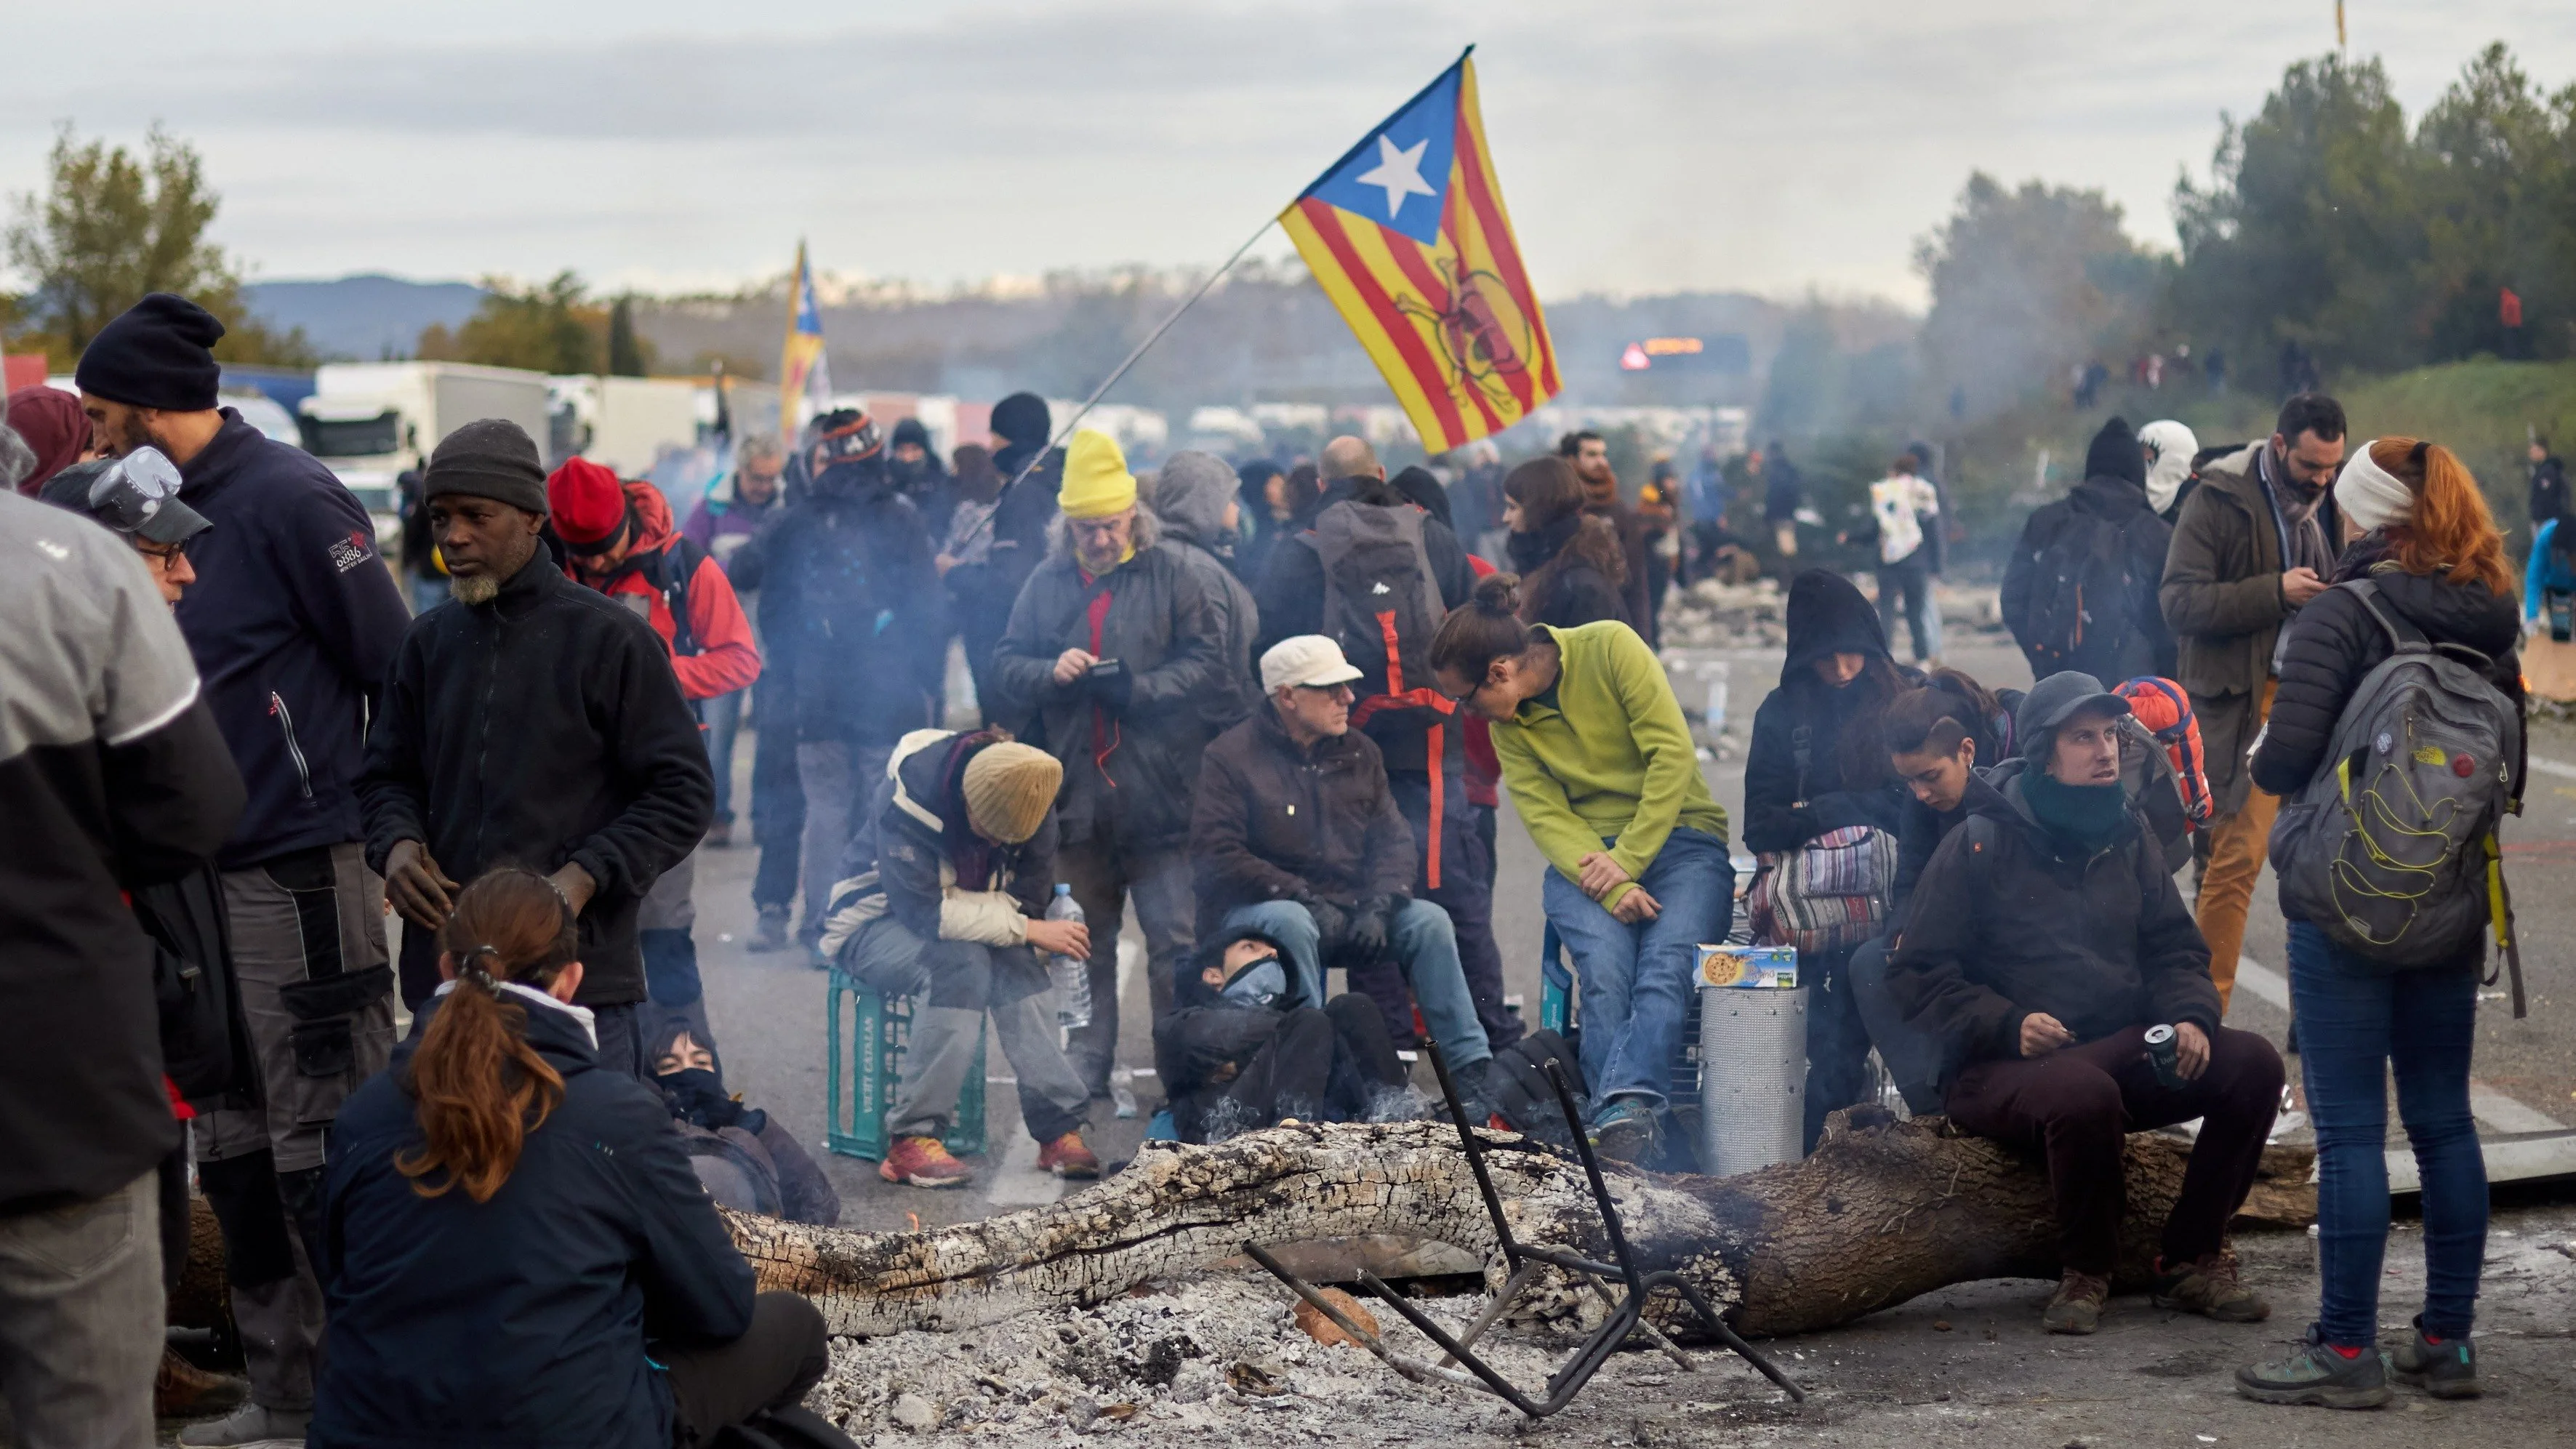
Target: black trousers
(1332, 1065)
(777, 795)
(778, 1358)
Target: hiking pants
(2237, 846)
(1106, 874)
(953, 984)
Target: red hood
(653, 526)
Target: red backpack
(2165, 710)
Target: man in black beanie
(2080, 590)
(984, 592)
(293, 621)
(586, 764)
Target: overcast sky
(1645, 146)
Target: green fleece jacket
(1605, 755)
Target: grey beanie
(489, 458)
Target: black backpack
(2080, 596)
(1381, 605)
(205, 1045)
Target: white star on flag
(1399, 172)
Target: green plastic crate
(863, 1062)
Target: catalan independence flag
(1408, 236)
(803, 371)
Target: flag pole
(1120, 371)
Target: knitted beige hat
(1009, 788)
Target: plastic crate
(863, 1063)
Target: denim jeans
(1425, 947)
(724, 721)
(2353, 1027)
(1636, 980)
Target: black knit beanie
(156, 354)
(489, 458)
(2115, 454)
(1022, 419)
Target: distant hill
(363, 318)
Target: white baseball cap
(1306, 659)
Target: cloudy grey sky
(1643, 146)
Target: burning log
(1880, 1213)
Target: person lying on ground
(1240, 1052)
(943, 899)
(2045, 939)
(747, 1159)
(516, 1250)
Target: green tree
(2493, 166)
(550, 327)
(628, 354)
(111, 226)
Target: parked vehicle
(369, 421)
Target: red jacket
(721, 657)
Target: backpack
(2079, 596)
(205, 1043)
(2164, 709)
(2390, 849)
(1382, 606)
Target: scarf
(2086, 817)
(2294, 508)
(1528, 551)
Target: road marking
(1018, 1183)
(2494, 1108)
(2553, 767)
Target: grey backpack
(2389, 850)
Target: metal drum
(1753, 1078)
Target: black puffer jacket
(1559, 586)
(1826, 616)
(2003, 924)
(2334, 643)
(1131, 752)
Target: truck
(623, 424)
(370, 421)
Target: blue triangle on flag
(1398, 175)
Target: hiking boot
(2446, 1368)
(2320, 1374)
(772, 932)
(923, 1162)
(181, 1390)
(1068, 1157)
(1625, 1131)
(248, 1424)
(2209, 1286)
(2077, 1307)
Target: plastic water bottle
(1071, 974)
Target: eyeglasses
(133, 488)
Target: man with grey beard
(529, 721)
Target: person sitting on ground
(1571, 570)
(1296, 834)
(748, 1160)
(1240, 1051)
(516, 1250)
(943, 898)
(2044, 940)
(1604, 773)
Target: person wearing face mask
(2045, 938)
(1238, 1052)
(2170, 449)
(914, 466)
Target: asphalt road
(769, 1010)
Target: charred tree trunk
(1876, 1216)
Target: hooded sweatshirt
(1826, 616)
(1190, 497)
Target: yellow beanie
(1096, 481)
(1009, 788)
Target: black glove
(1367, 937)
(1332, 928)
(1109, 684)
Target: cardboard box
(1749, 968)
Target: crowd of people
(1271, 711)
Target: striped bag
(1827, 895)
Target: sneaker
(923, 1162)
(2318, 1373)
(181, 1390)
(1625, 1131)
(772, 932)
(2209, 1286)
(2446, 1369)
(2077, 1306)
(249, 1424)
(720, 834)
(1068, 1157)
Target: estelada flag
(1408, 236)
(803, 372)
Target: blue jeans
(2353, 1026)
(1425, 947)
(724, 721)
(1637, 979)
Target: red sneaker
(923, 1162)
(1067, 1157)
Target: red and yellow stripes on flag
(800, 363)
(1453, 325)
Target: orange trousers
(2237, 846)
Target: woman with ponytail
(517, 1249)
(1606, 778)
(2417, 528)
